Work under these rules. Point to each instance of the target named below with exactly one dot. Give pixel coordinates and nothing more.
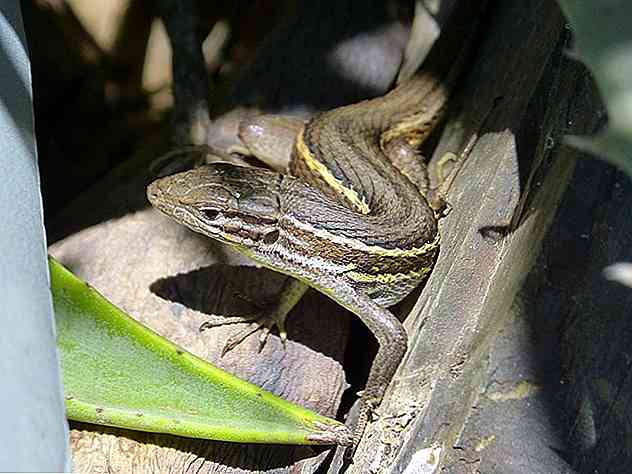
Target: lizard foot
(263, 320)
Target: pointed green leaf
(117, 372)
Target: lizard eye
(271, 237)
(212, 214)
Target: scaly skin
(346, 221)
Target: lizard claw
(267, 326)
(263, 337)
(280, 324)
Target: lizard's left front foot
(263, 320)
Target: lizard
(354, 218)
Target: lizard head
(234, 204)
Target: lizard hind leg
(269, 138)
(264, 318)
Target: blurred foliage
(603, 42)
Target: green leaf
(117, 372)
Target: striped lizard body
(347, 220)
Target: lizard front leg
(391, 337)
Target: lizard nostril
(153, 192)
